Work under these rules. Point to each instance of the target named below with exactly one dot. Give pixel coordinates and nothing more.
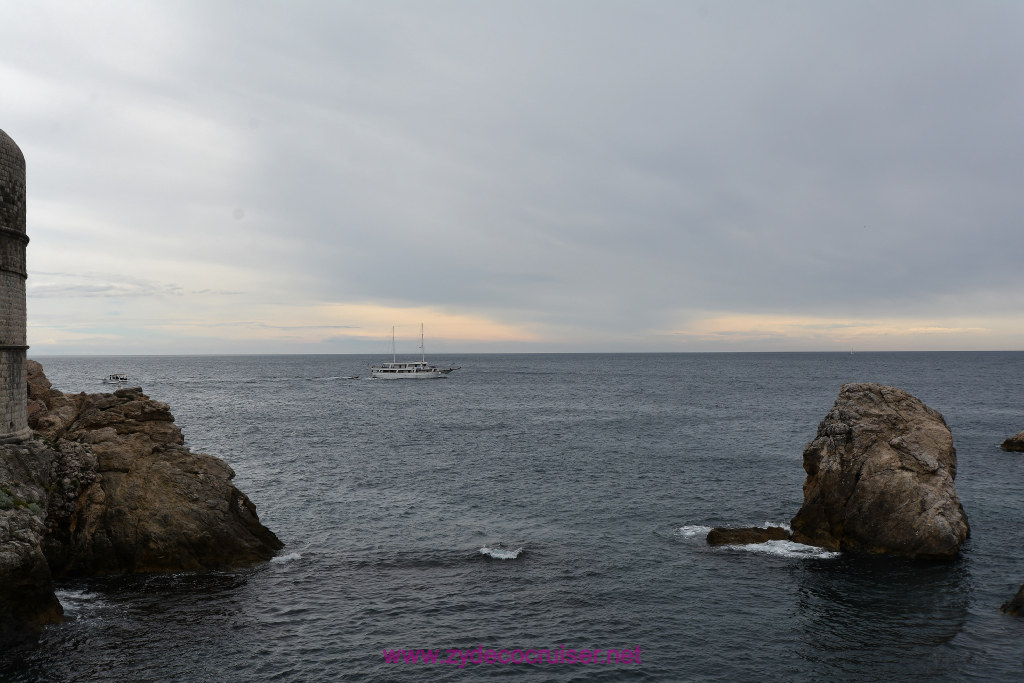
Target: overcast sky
(524, 175)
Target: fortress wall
(13, 273)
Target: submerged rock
(1014, 443)
(880, 478)
(745, 536)
(1015, 606)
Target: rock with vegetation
(880, 478)
(746, 536)
(1014, 443)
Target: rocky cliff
(880, 478)
(108, 487)
(26, 589)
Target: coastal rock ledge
(880, 478)
(747, 535)
(107, 487)
(1014, 443)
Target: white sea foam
(788, 549)
(501, 553)
(70, 595)
(784, 525)
(79, 603)
(776, 548)
(286, 558)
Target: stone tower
(13, 240)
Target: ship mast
(393, 344)
(423, 352)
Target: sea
(543, 518)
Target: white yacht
(409, 369)
(117, 378)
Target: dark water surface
(597, 477)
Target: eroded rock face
(132, 497)
(745, 536)
(880, 478)
(27, 601)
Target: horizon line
(533, 353)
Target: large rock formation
(880, 478)
(107, 487)
(143, 502)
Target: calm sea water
(590, 480)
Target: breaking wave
(501, 553)
(788, 549)
(286, 558)
(775, 548)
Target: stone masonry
(13, 240)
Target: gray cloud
(599, 166)
(44, 285)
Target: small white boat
(118, 378)
(410, 369)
